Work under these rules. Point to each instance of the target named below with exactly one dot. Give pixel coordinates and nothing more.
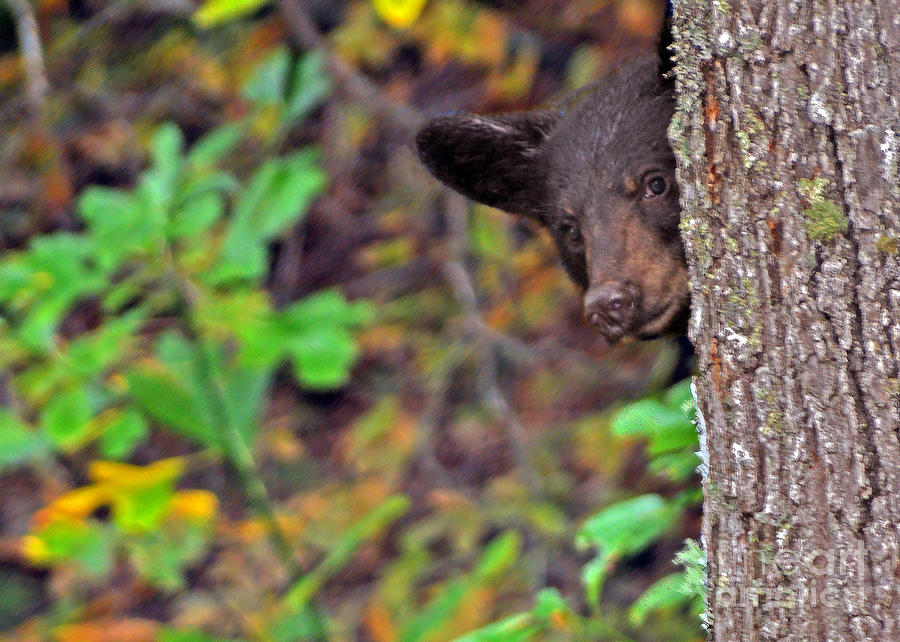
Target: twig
(32, 56)
(464, 289)
(305, 34)
(434, 408)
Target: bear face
(597, 172)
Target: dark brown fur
(596, 171)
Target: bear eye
(569, 231)
(655, 186)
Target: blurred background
(262, 378)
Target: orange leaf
(379, 624)
(109, 630)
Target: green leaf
(168, 401)
(326, 307)
(182, 635)
(195, 216)
(119, 227)
(676, 466)
(515, 628)
(523, 626)
(238, 388)
(65, 418)
(167, 149)
(209, 150)
(161, 555)
(281, 192)
(177, 353)
(310, 85)
(91, 354)
(123, 435)
(88, 544)
(142, 508)
(648, 417)
(693, 559)
(623, 529)
(674, 439)
(679, 394)
(278, 195)
(499, 555)
(438, 612)
(304, 624)
(58, 274)
(268, 84)
(370, 525)
(14, 277)
(157, 187)
(215, 12)
(549, 602)
(317, 337)
(593, 576)
(18, 443)
(244, 391)
(323, 356)
(668, 592)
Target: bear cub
(597, 172)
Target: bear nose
(610, 308)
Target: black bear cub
(596, 171)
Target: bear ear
(495, 160)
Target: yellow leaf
(400, 14)
(126, 475)
(214, 12)
(199, 505)
(35, 549)
(79, 503)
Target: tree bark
(788, 137)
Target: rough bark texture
(788, 139)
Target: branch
(32, 56)
(409, 119)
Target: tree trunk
(788, 137)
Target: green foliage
(497, 557)
(622, 529)
(550, 612)
(629, 526)
(666, 423)
(678, 589)
(18, 443)
(277, 195)
(187, 244)
(368, 526)
(146, 253)
(293, 87)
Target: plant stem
(236, 449)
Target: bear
(597, 172)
